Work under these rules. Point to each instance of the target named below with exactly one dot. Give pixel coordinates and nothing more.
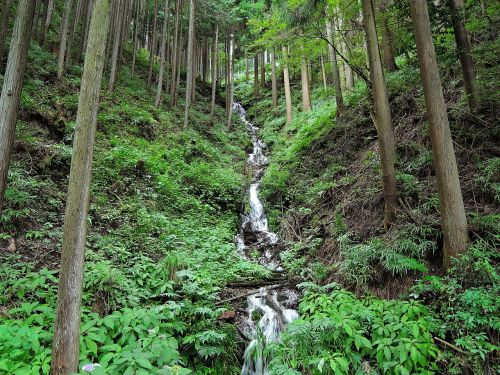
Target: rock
(12, 246)
(227, 316)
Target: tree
(306, 98)
(334, 64)
(190, 64)
(453, 219)
(464, 51)
(256, 75)
(12, 86)
(231, 78)
(163, 53)
(273, 78)
(286, 83)
(387, 44)
(47, 21)
(152, 51)
(66, 344)
(4, 22)
(215, 71)
(383, 119)
(119, 15)
(63, 44)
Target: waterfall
(254, 233)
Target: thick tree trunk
(383, 119)
(152, 54)
(4, 23)
(339, 99)
(453, 219)
(387, 43)
(116, 45)
(286, 82)
(163, 52)
(12, 86)
(231, 79)
(66, 344)
(306, 99)
(63, 44)
(464, 52)
(190, 64)
(215, 62)
(273, 77)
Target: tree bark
(63, 44)
(383, 119)
(323, 72)
(464, 52)
(116, 45)
(273, 78)
(12, 86)
(306, 99)
(175, 55)
(66, 344)
(256, 75)
(286, 82)
(262, 70)
(339, 99)
(152, 54)
(163, 52)
(453, 219)
(190, 64)
(74, 29)
(3, 25)
(387, 43)
(215, 59)
(47, 21)
(231, 79)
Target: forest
(254, 187)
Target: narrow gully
(271, 307)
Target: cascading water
(270, 305)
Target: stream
(269, 310)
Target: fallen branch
(244, 295)
(446, 343)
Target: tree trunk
(453, 219)
(323, 71)
(63, 44)
(136, 35)
(262, 70)
(163, 52)
(339, 99)
(12, 86)
(247, 68)
(66, 344)
(383, 119)
(116, 45)
(85, 29)
(215, 58)
(306, 99)
(175, 54)
(74, 29)
(47, 21)
(256, 75)
(464, 52)
(231, 79)
(190, 64)
(4, 23)
(286, 82)
(273, 78)
(387, 44)
(152, 54)
(43, 17)
(34, 25)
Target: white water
(255, 231)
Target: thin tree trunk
(339, 99)
(286, 82)
(66, 344)
(215, 59)
(256, 75)
(247, 68)
(163, 53)
(383, 119)
(152, 55)
(12, 86)
(137, 5)
(231, 79)
(85, 31)
(76, 22)
(306, 99)
(262, 70)
(464, 52)
(68, 6)
(323, 71)
(3, 26)
(34, 25)
(190, 64)
(116, 46)
(41, 24)
(273, 77)
(453, 219)
(47, 22)
(175, 54)
(387, 44)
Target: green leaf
(143, 362)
